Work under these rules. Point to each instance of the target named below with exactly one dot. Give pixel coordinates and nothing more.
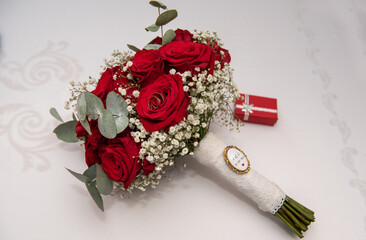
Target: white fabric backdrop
(310, 55)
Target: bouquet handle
(266, 194)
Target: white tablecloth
(310, 55)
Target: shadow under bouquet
(153, 105)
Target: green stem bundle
(295, 216)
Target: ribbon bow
(249, 108)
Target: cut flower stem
(295, 216)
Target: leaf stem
(97, 114)
(161, 27)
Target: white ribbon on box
(249, 108)
(265, 193)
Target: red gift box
(256, 109)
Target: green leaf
(86, 126)
(152, 46)
(93, 117)
(106, 124)
(81, 106)
(157, 4)
(55, 114)
(79, 176)
(121, 123)
(116, 104)
(66, 131)
(168, 36)
(91, 172)
(74, 117)
(104, 183)
(152, 28)
(94, 193)
(133, 48)
(166, 17)
(93, 104)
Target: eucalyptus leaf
(133, 48)
(86, 126)
(81, 106)
(166, 17)
(152, 46)
(93, 117)
(79, 176)
(121, 123)
(94, 193)
(91, 172)
(66, 132)
(104, 183)
(158, 4)
(152, 28)
(168, 36)
(106, 124)
(55, 114)
(93, 104)
(74, 117)
(116, 104)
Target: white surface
(310, 55)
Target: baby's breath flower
(136, 93)
(184, 151)
(162, 138)
(150, 158)
(172, 71)
(122, 91)
(175, 142)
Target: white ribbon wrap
(249, 108)
(266, 194)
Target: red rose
(96, 138)
(183, 35)
(184, 56)
(80, 130)
(92, 154)
(217, 56)
(148, 167)
(156, 40)
(162, 104)
(120, 160)
(107, 84)
(147, 65)
(112, 153)
(93, 143)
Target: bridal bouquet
(153, 105)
